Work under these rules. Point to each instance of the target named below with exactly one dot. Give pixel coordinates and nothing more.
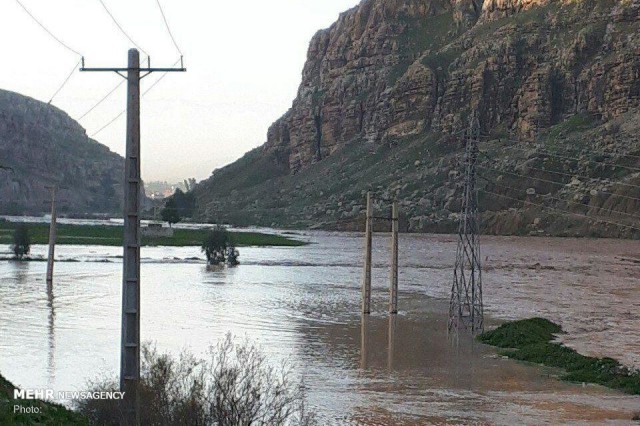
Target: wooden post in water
(366, 280)
(393, 285)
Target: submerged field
(304, 304)
(106, 235)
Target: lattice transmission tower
(465, 308)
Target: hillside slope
(388, 89)
(41, 145)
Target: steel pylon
(465, 308)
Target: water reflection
(391, 340)
(364, 341)
(51, 364)
(21, 272)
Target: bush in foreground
(531, 340)
(234, 385)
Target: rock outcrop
(389, 73)
(41, 145)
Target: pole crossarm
(121, 70)
(133, 69)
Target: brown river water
(302, 304)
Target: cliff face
(41, 145)
(389, 73)
(391, 69)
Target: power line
(560, 210)
(542, 145)
(101, 100)
(63, 44)
(553, 182)
(551, 154)
(571, 175)
(109, 123)
(560, 199)
(121, 29)
(64, 83)
(104, 98)
(166, 24)
(113, 120)
(631, 185)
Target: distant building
(156, 230)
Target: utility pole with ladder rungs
(130, 332)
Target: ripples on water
(303, 304)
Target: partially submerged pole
(364, 342)
(393, 287)
(366, 281)
(52, 238)
(391, 342)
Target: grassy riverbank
(47, 413)
(112, 236)
(532, 340)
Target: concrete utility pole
(130, 339)
(366, 281)
(52, 237)
(393, 288)
(130, 332)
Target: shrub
(21, 241)
(219, 247)
(234, 386)
(519, 333)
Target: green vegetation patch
(422, 35)
(43, 412)
(105, 235)
(531, 340)
(575, 123)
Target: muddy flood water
(303, 304)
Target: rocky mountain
(385, 100)
(41, 145)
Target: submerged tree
(232, 255)
(214, 245)
(21, 241)
(219, 248)
(170, 212)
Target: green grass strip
(105, 235)
(531, 340)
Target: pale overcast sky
(244, 61)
